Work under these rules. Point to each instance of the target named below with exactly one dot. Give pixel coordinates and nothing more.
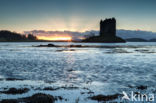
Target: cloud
(79, 35)
(74, 35)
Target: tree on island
(31, 37)
(6, 35)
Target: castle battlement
(108, 27)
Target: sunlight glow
(55, 38)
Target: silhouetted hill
(104, 39)
(107, 33)
(152, 40)
(136, 40)
(140, 40)
(12, 36)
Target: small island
(107, 33)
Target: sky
(76, 15)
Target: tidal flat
(86, 73)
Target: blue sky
(76, 15)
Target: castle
(108, 28)
(107, 33)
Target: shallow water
(104, 70)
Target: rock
(12, 79)
(75, 45)
(51, 45)
(9, 101)
(62, 50)
(40, 98)
(36, 98)
(70, 88)
(142, 87)
(59, 98)
(15, 91)
(70, 70)
(1, 79)
(90, 92)
(104, 97)
(50, 88)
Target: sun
(55, 38)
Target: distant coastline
(139, 40)
(8, 36)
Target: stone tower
(108, 27)
(107, 33)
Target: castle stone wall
(108, 27)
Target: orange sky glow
(55, 38)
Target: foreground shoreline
(48, 93)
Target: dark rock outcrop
(105, 97)
(15, 91)
(36, 98)
(142, 87)
(107, 33)
(40, 98)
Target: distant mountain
(127, 34)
